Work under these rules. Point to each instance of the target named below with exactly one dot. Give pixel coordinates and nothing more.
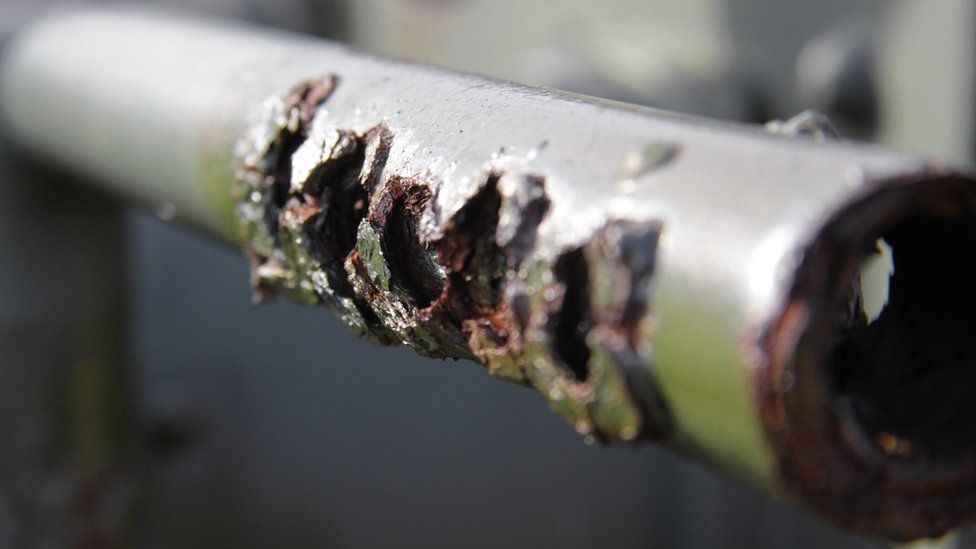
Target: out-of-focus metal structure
(67, 454)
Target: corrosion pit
(569, 325)
(331, 233)
(410, 262)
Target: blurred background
(144, 401)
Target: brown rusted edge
(828, 458)
(573, 324)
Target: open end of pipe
(905, 360)
(876, 426)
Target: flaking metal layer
(324, 220)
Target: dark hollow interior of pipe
(910, 372)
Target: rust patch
(846, 403)
(302, 103)
(595, 333)
(397, 217)
(324, 219)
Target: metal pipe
(654, 276)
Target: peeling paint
(406, 258)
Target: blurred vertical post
(64, 422)
(65, 428)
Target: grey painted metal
(152, 108)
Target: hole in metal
(570, 324)
(410, 262)
(332, 232)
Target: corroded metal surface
(325, 221)
(652, 275)
(872, 417)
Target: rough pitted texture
(324, 221)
